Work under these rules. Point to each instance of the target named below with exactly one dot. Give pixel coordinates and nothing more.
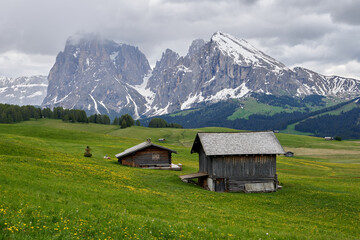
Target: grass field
(48, 190)
(251, 106)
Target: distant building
(289, 154)
(236, 162)
(148, 155)
(162, 140)
(328, 138)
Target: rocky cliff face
(23, 90)
(98, 75)
(101, 76)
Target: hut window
(155, 156)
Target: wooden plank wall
(242, 166)
(203, 161)
(150, 155)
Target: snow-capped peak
(243, 52)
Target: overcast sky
(321, 35)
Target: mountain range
(23, 90)
(102, 76)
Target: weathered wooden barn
(237, 162)
(147, 155)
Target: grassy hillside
(343, 123)
(271, 105)
(250, 106)
(341, 110)
(48, 190)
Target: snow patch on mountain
(38, 93)
(136, 111)
(229, 93)
(209, 81)
(114, 55)
(160, 111)
(191, 100)
(102, 104)
(62, 99)
(182, 68)
(76, 53)
(95, 104)
(144, 90)
(3, 89)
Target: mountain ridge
(226, 67)
(102, 76)
(23, 90)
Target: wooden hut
(289, 154)
(147, 155)
(237, 162)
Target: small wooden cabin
(147, 155)
(289, 154)
(237, 162)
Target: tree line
(161, 123)
(14, 114)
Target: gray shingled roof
(238, 143)
(140, 147)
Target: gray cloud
(347, 12)
(320, 33)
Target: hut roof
(240, 143)
(140, 147)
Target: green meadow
(49, 190)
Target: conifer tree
(128, 120)
(116, 121)
(106, 120)
(123, 124)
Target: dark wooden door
(220, 185)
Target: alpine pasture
(49, 190)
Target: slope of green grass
(48, 190)
(291, 130)
(183, 113)
(251, 106)
(348, 107)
